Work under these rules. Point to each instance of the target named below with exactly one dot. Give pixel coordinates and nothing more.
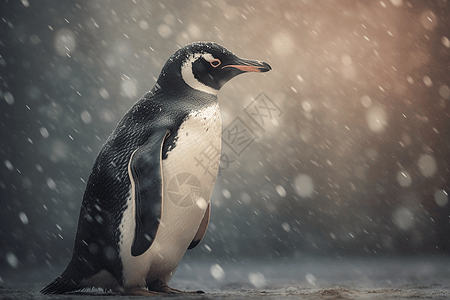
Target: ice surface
(357, 164)
(302, 278)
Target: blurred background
(350, 149)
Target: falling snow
(44, 132)
(311, 279)
(165, 31)
(441, 198)
(128, 88)
(257, 279)
(304, 186)
(51, 183)
(226, 193)
(404, 179)
(352, 160)
(8, 98)
(283, 44)
(143, 24)
(281, 191)
(86, 117)
(217, 272)
(376, 119)
(403, 218)
(12, 260)
(23, 217)
(427, 165)
(445, 41)
(65, 42)
(366, 101)
(427, 81)
(8, 165)
(286, 227)
(428, 19)
(444, 91)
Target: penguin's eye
(215, 63)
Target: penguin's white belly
(189, 175)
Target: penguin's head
(207, 66)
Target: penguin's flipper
(146, 180)
(202, 229)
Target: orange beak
(246, 65)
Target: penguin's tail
(60, 286)
(65, 283)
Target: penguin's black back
(105, 199)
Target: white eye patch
(208, 57)
(188, 75)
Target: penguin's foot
(139, 291)
(163, 288)
(175, 291)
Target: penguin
(147, 199)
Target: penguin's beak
(247, 65)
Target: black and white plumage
(147, 200)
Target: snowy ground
(387, 278)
